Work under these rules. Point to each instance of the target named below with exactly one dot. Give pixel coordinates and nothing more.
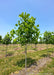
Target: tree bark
(31, 45)
(25, 57)
(35, 47)
(47, 51)
(6, 50)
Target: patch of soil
(52, 55)
(2, 56)
(17, 48)
(31, 51)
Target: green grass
(17, 62)
(14, 63)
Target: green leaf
(37, 25)
(16, 24)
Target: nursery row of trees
(47, 38)
(26, 32)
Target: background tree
(0, 39)
(12, 34)
(52, 38)
(15, 41)
(26, 31)
(35, 35)
(41, 40)
(47, 38)
(6, 41)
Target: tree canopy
(7, 39)
(0, 39)
(49, 37)
(26, 30)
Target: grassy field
(15, 59)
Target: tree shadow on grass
(30, 62)
(51, 51)
(44, 55)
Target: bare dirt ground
(35, 68)
(52, 55)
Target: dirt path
(34, 69)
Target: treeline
(46, 38)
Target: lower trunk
(35, 47)
(31, 45)
(47, 51)
(47, 47)
(25, 57)
(6, 50)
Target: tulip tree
(26, 31)
(0, 39)
(47, 38)
(52, 38)
(35, 35)
(6, 41)
(12, 32)
(15, 41)
(41, 40)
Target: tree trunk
(6, 50)
(25, 57)
(35, 47)
(31, 45)
(47, 46)
(47, 51)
